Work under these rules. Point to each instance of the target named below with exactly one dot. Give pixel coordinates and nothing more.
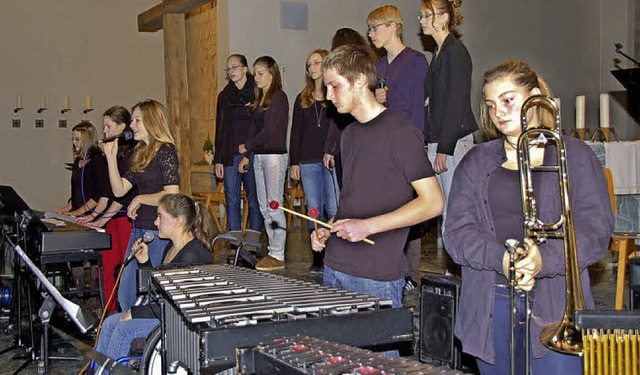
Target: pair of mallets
(313, 213)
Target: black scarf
(241, 97)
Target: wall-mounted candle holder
(87, 110)
(43, 104)
(18, 107)
(66, 106)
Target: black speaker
(634, 282)
(438, 305)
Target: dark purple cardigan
(470, 239)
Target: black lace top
(162, 171)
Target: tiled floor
(298, 253)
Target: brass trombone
(561, 336)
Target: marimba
(211, 310)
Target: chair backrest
(609, 177)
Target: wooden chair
(290, 195)
(621, 242)
(212, 199)
(245, 210)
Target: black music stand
(630, 79)
(13, 207)
(15, 211)
(84, 321)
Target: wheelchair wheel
(152, 356)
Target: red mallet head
(274, 205)
(313, 212)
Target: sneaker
(269, 263)
(316, 269)
(409, 284)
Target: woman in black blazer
(449, 120)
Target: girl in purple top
(487, 210)
(268, 144)
(153, 170)
(309, 130)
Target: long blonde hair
(522, 75)
(306, 96)
(154, 118)
(88, 135)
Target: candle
(604, 110)
(580, 100)
(18, 100)
(65, 105)
(43, 101)
(87, 102)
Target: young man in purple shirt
(399, 87)
(385, 166)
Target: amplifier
(634, 282)
(438, 306)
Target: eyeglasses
(374, 28)
(234, 67)
(427, 16)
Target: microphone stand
(628, 57)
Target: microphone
(146, 238)
(618, 50)
(381, 83)
(125, 136)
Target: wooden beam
(151, 19)
(177, 86)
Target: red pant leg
(120, 231)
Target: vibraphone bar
(212, 310)
(309, 355)
(611, 341)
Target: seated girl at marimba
(188, 227)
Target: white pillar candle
(66, 103)
(580, 111)
(604, 110)
(87, 102)
(43, 101)
(18, 100)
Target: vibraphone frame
(209, 347)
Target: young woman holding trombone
(488, 210)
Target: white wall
(90, 47)
(69, 48)
(254, 30)
(570, 43)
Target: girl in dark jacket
(233, 122)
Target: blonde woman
(309, 129)
(89, 186)
(154, 172)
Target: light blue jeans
(233, 182)
(270, 170)
(321, 190)
(116, 336)
(127, 288)
(463, 145)
(391, 290)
